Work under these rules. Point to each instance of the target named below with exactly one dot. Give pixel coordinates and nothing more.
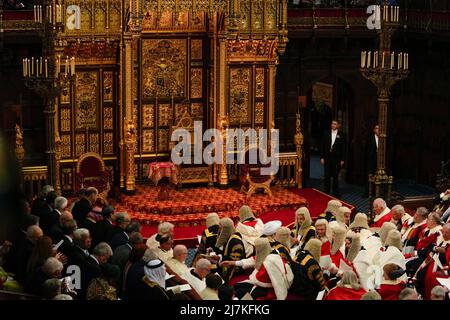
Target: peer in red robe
(345, 293)
(384, 216)
(434, 271)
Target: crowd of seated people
(91, 252)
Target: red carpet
(189, 207)
(317, 202)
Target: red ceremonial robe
(390, 289)
(433, 272)
(343, 293)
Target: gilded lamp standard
(49, 75)
(384, 68)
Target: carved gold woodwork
(252, 48)
(87, 52)
(298, 139)
(260, 86)
(147, 115)
(65, 120)
(99, 18)
(196, 49)
(80, 144)
(289, 169)
(259, 112)
(171, 20)
(195, 175)
(270, 14)
(164, 67)
(223, 123)
(108, 118)
(58, 156)
(197, 110)
(180, 110)
(19, 149)
(148, 141)
(135, 116)
(108, 143)
(164, 115)
(107, 86)
(240, 80)
(196, 83)
(135, 88)
(163, 140)
(34, 173)
(245, 14)
(65, 96)
(166, 43)
(130, 145)
(66, 146)
(86, 100)
(94, 142)
(166, 20)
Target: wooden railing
(34, 178)
(288, 173)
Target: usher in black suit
(332, 155)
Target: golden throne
(190, 173)
(91, 172)
(250, 175)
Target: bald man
(178, 262)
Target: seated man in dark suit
(91, 266)
(56, 232)
(82, 243)
(66, 244)
(83, 206)
(122, 252)
(120, 236)
(102, 231)
(39, 203)
(48, 216)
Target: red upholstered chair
(91, 172)
(251, 178)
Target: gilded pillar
(19, 150)
(122, 117)
(271, 95)
(223, 175)
(383, 100)
(129, 134)
(298, 138)
(58, 153)
(50, 151)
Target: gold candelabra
(49, 74)
(384, 69)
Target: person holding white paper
(153, 284)
(196, 276)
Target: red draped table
(159, 170)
